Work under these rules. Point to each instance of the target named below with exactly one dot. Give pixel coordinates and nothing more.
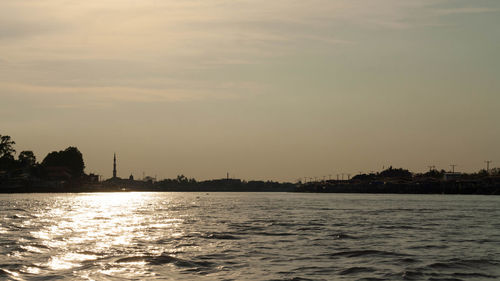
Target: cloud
(467, 10)
(55, 94)
(20, 20)
(13, 29)
(171, 50)
(76, 97)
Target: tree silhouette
(434, 174)
(27, 158)
(7, 147)
(182, 179)
(395, 173)
(70, 158)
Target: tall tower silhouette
(114, 166)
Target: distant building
(90, 178)
(93, 178)
(131, 177)
(452, 176)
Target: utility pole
(488, 165)
(453, 168)
(329, 177)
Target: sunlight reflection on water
(97, 223)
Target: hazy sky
(260, 89)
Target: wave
(444, 279)
(292, 279)
(311, 228)
(474, 275)
(274, 233)
(463, 263)
(364, 253)
(164, 259)
(356, 270)
(412, 275)
(221, 236)
(428, 247)
(338, 236)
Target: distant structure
(452, 176)
(131, 177)
(453, 168)
(114, 166)
(487, 165)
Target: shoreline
(442, 189)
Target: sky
(268, 90)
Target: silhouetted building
(114, 166)
(452, 176)
(131, 177)
(93, 178)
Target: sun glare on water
(114, 199)
(94, 224)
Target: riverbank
(477, 187)
(487, 186)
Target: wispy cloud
(467, 10)
(55, 94)
(75, 97)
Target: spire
(114, 166)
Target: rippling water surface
(248, 236)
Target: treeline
(181, 183)
(58, 169)
(399, 180)
(401, 174)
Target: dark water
(248, 236)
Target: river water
(248, 236)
